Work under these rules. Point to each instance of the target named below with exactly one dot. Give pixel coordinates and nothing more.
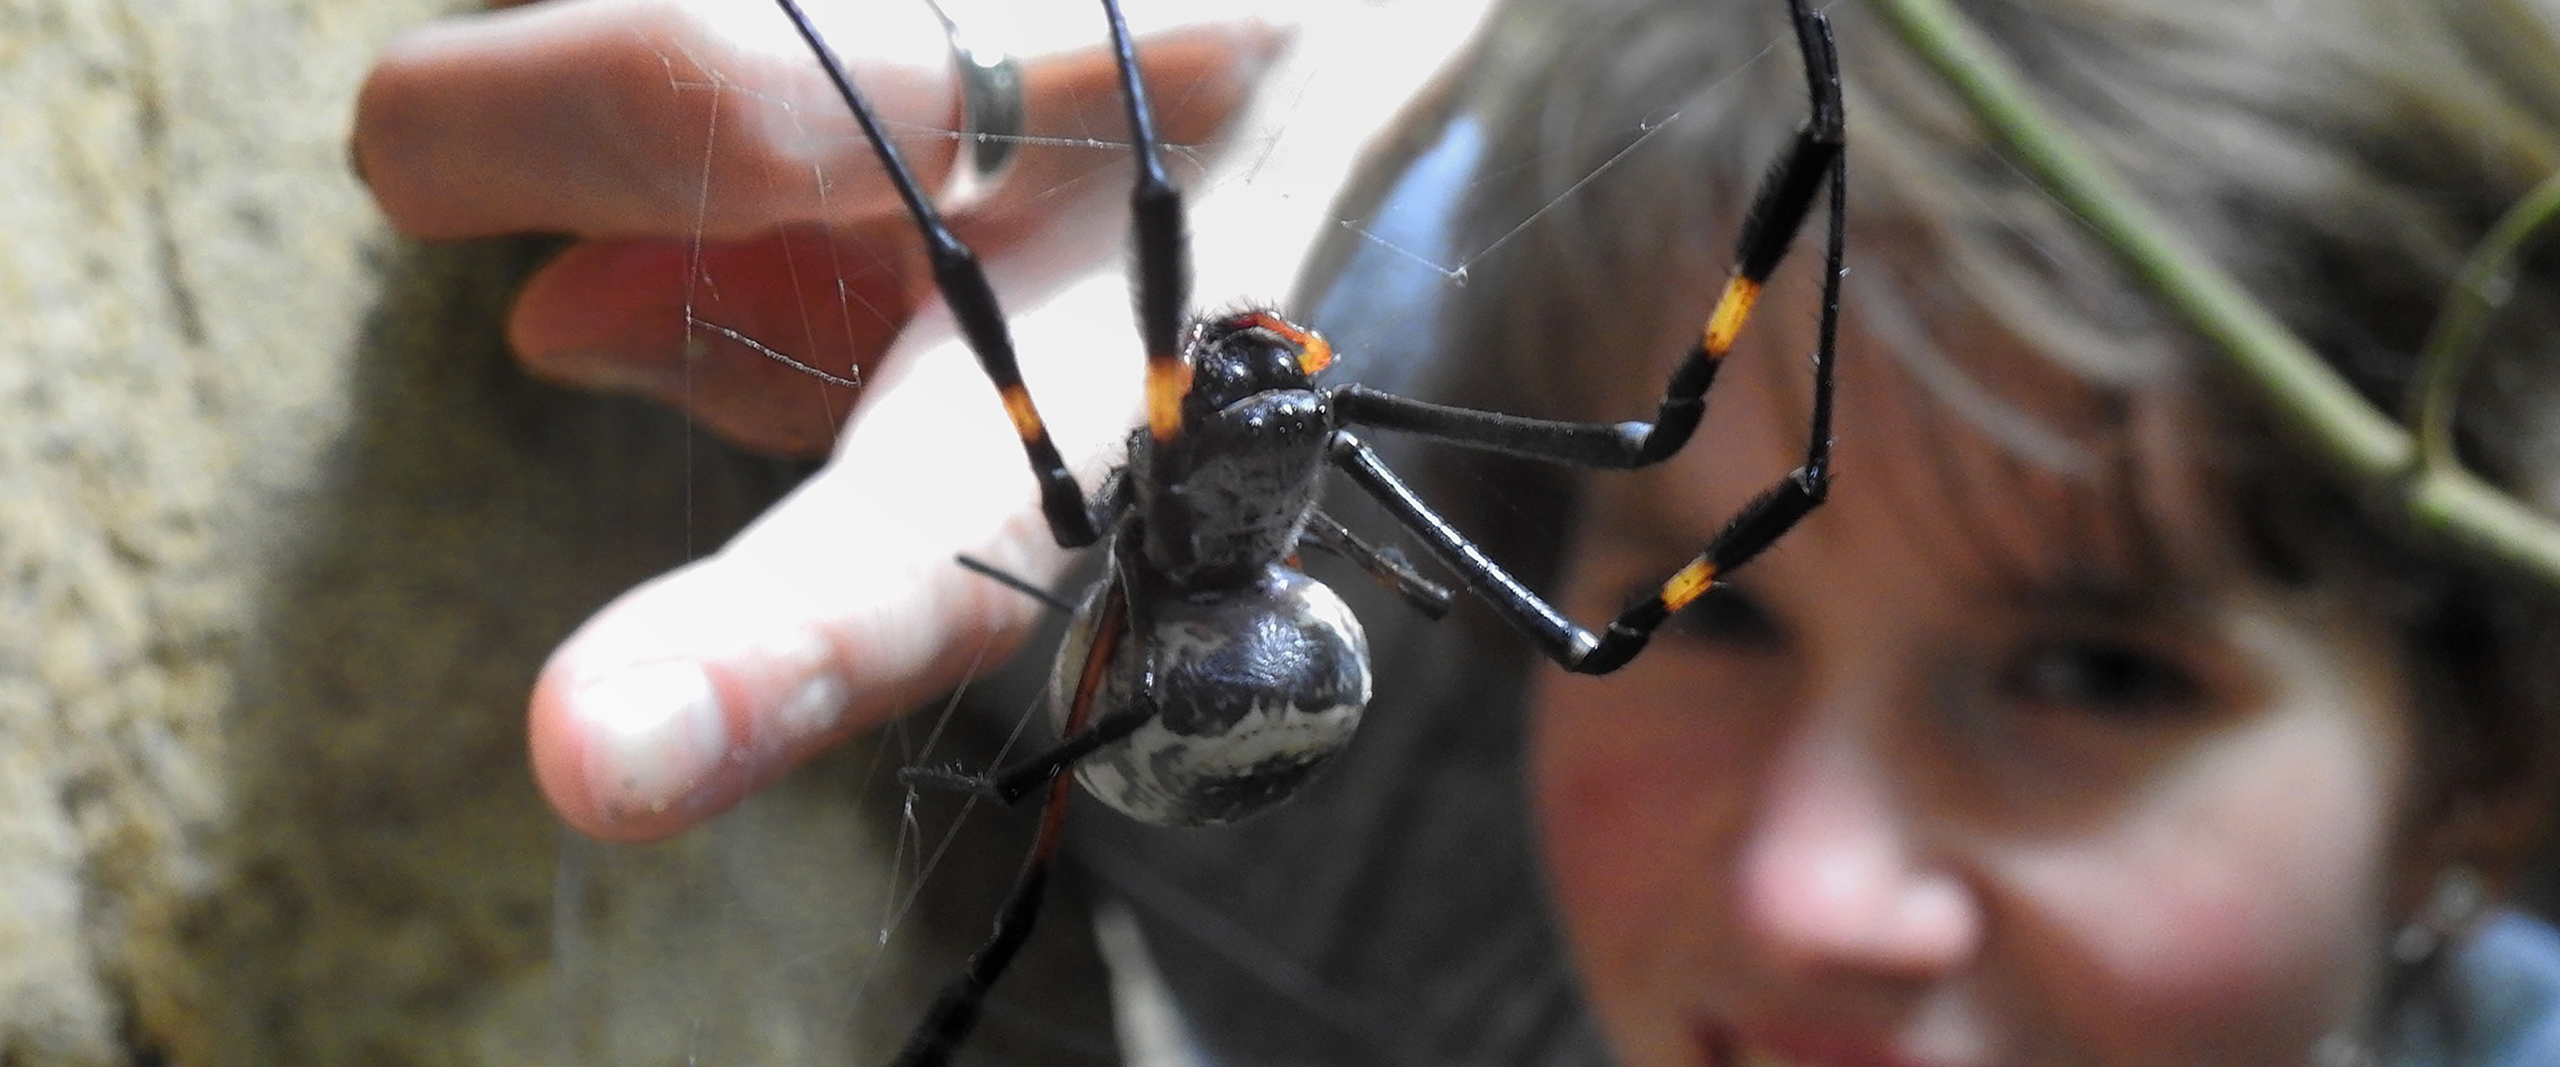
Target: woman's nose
(1836, 874)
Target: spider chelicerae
(1204, 677)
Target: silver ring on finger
(991, 116)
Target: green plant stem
(2481, 288)
(2359, 443)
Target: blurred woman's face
(1983, 764)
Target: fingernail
(654, 735)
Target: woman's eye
(2111, 678)
(1726, 616)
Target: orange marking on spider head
(1315, 355)
(1314, 352)
(1691, 583)
(1168, 381)
(1731, 309)
(1017, 406)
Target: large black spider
(1204, 676)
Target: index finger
(658, 117)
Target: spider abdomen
(1256, 687)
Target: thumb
(839, 609)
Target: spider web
(776, 933)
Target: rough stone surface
(283, 537)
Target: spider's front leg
(1779, 210)
(972, 300)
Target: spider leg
(1758, 525)
(1014, 781)
(1561, 639)
(1387, 565)
(955, 1010)
(973, 305)
(1163, 286)
(1778, 212)
(1015, 582)
(1769, 515)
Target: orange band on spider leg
(1731, 310)
(1026, 418)
(1168, 380)
(1692, 582)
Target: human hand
(712, 176)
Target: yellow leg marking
(1691, 583)
(1026, 419)
(1731, 309)
(1165, 390)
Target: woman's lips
(1723, 1045)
